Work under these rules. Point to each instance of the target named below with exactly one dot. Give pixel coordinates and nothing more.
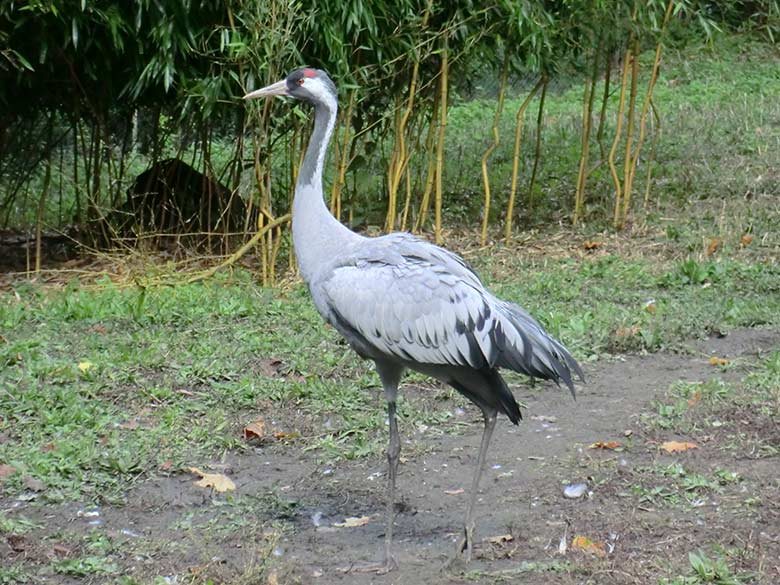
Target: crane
(405, 303)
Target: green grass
(169, 375)
(11, 575)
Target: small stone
(575, 490)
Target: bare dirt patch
(279, 525)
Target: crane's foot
(386, 566)
(464, 549)
(466, 544)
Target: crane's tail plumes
(485, 387)
(538, 354)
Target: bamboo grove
(87, 86)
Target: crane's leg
(466, 544)
(393, 453)
(390, 375)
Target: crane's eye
(300, 81)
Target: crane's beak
(278, 88)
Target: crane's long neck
(317, 235)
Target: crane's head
(307, 84)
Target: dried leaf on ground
(585, 544)
(130, 425)
(604, 445)
(270, 367)
(713, 246)
(353, 522)
(694, 399)
(678, 446)
(716, 361)
(219, 482)
(6, 471)
(85, 366)
(17, 542)
(285, 436)
(746, 240)
(255, 429)
(33, 484)
(500, 539)
(592, 244)
(61, 550)
(626, 332)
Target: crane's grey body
(405, 303)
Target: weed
(14, 575)
(85, 566)
(15, 526)
(709, 570)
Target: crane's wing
(410, 300)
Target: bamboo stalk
(618, 131)
(41, 207)
(440, 143)
(394, 156)
(587, 113)
(516, 159)
(653, 144)
(492, 147)
(408, 199)
(604, 102)
(341, 165)
(538, 147)
(627, 175)
(401, 160)
(242, 250)
(431, 170)
(649, 97)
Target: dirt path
(521, 495)
(522, 488)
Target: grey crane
(407, 304)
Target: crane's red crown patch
(309, 73)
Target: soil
(523, 517)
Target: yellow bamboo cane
(618, 131)
(516, 160)
(341, 160)
(648, 101)
(440, 144)
(538, 145)
(430, 175)
(589, 95)
(629, 134)
(653, 145)
(491, 148)
(399, 162)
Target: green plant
(86, 566)
(707, 570)
(13, 575)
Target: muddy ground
(279, 526)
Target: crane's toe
(466, 544)
(388, 565)
(464, 549)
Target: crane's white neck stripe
(325, 110)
